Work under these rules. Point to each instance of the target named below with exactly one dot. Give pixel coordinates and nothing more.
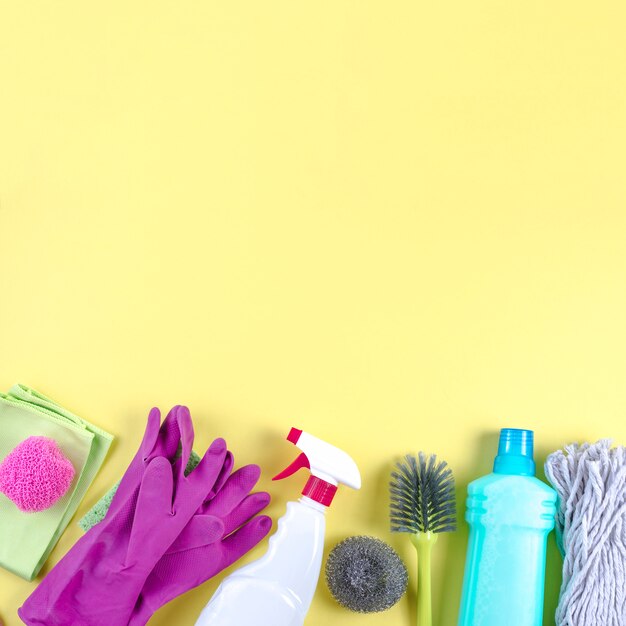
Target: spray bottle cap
(329, 467)
(515, 452)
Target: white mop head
(590, 480)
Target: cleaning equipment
(365, 575)
(26, 540)
(422, 504)
(590, 480)
(165, 531)
(510, 513)
(35, 474)
(99, 510)
(277, 589)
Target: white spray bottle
(277, 589)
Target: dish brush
(422, 504)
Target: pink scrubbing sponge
(35, 474)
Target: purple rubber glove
(106, 572)
(158, 440)
(221, 532)
(165, 440)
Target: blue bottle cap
(515, 453)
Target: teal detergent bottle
(510, 513)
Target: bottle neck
(514, 465)
(319, 490)
(515, 453)
(313, 504)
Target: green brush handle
(424, 543)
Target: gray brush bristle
(365, 575)
(422, 495)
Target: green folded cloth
(26, 539)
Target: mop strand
(590, 480)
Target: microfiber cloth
(26, 539)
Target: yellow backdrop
(399, 226)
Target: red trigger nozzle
(299, 463)
(294, 435)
